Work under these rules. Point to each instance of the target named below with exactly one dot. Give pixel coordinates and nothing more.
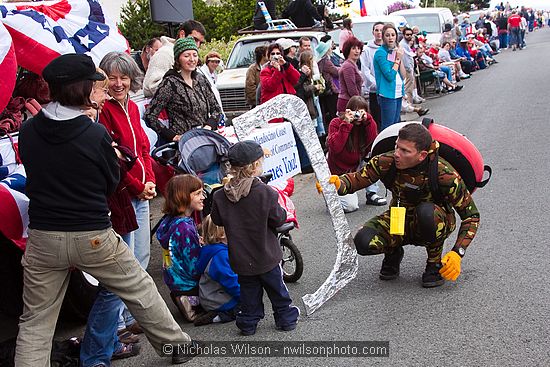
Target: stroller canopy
(203, 153)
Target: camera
(357, 115)
(276, 57)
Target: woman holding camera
(186, 95)
(278, 76)
(349, 139)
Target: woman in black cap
(71, 169)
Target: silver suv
(231, 81)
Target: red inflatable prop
(454, 147)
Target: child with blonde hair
(219, 289)
(249, 211)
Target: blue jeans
(252, 306)
(514, 40)
(447, 71)
(139, 242)
(503, 39)
(100, 339)
(390, 111)
(319, 126)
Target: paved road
(496, 314)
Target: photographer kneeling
(349, 140)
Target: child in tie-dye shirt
(179, 239)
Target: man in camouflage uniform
(429, 220)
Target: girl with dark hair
(349, 139)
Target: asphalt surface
(496, 313)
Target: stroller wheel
(292, 263)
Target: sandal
(375, 199)
(126, 351)
(127, 337)
(134, 328)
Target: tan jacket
(251, 83)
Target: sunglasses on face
(275, 53)
(214, 61)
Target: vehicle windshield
(362, 31)
(242, 55)
(426, 22)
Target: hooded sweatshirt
(71, 169)
(219, 285)
(367, 68)
(180, 253)
(249, 211)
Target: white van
(362, 26)
(431, 20)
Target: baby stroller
(203, 153)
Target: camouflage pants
(426, 225)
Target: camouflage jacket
(411, 187)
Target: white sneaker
(418, 100)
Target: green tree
(136, 24)
(223, 21)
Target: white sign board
(279, 140)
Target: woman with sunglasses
(278, 76)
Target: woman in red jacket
(278, 76)
(349, 140)
(121, 117)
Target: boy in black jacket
(250, 212)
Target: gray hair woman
(121, 117)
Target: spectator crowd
(350, 99)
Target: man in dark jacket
(306, 14)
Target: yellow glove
(451, 266)
(333, 179)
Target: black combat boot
(431, 277)
(390, 264)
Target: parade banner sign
(283, 161)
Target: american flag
(8, 67)
(48, 29)
(14, 204)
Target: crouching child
(249, 211)
(219, 289)
(178, 236)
